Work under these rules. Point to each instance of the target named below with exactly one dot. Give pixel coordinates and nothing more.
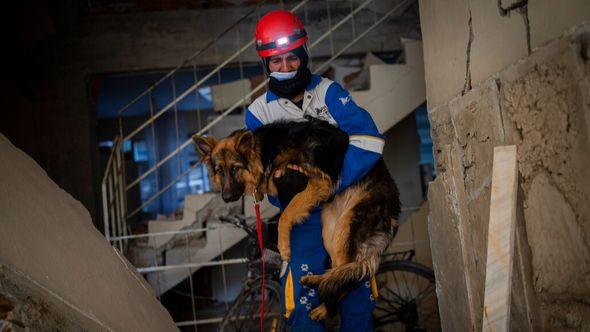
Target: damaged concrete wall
(467, 41)
(57, 272)
(541, 103)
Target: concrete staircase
(395, 90)
(173, 248)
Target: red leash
(261, 247)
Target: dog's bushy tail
(344, 278)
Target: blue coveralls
(326, 100)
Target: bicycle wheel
(407, 298)
(244, 314)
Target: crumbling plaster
(544, 103)
(541, 105)
(24, 307)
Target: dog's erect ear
(205, 146)
(245, 143)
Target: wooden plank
(501, 235)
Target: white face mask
(283, 76)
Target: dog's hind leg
(344, 278)
(317, 190)
(335, 232)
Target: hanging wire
(220, 96)
(330, 27)
(179, 155)
(197, 98)
(154, 143)
(240, 63)
(305, 14)
(352, 19)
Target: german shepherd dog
(357, 224)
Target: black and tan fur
(357, 224)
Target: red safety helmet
(279, 32)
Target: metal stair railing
(115, 205)
(172, 105)
(113, 196)
(194, 87)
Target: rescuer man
(294, 93)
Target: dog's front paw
(284, 240)
(319, 313)
(285, 252)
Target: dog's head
(233, 162)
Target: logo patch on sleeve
(345, 100)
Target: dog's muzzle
(230, 197)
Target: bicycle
(406, 301)
(244, 313)
(406, 295)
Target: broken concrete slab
(48, 241)
(447, 258)
(23, 307)
(478, 129)
(442, 134)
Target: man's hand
(289, 182)
(279, 172)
